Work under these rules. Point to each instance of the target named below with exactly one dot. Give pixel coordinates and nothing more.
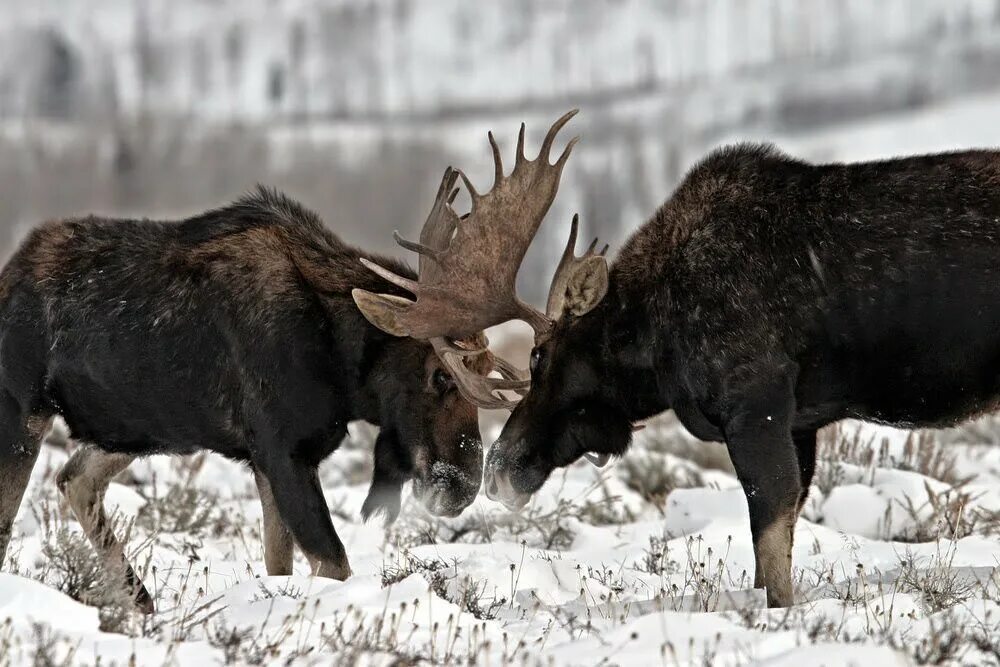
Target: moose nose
(499, 489)
(491, 485)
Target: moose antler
(468, 266)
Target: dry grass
(71, 565)
(939, 584)
(183, 509)
(444, 579)
(665, 434)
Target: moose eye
(441, 380)
(536, 358)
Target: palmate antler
(468, 267)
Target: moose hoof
(144, 601)
(338, 571)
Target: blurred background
(162, 108)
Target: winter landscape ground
(645, 562)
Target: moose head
(467, 272)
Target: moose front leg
(301, 506)
(759, 439)
(83, 481)
(390, 471)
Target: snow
(591, 572)
(26, 601)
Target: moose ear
(586, 286)
(385, 311)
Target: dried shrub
(186, 509)
(73, 567)
(467, 594)
(653, 476)
(936, 581)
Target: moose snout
(448, 490)
(499, 488)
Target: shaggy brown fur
(233, 331)
(767, 298)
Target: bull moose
(232, 331)
(767, 298)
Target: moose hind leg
(302, 507)
(805, 452)
(19, 445)
(83, 481)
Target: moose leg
(302, 507)
(278, 542)
(805, 452)
(83, 481)
(759, 439)
(18, 450)
(391, 470)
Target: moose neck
(624, 327)
(359, 345)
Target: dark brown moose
(232, 331)
(767, 298)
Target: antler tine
(511, 372)
(514, 378)
(570, 249)
(497, 160)
(561, 162)
(446, 192)
(452, 348)
(473, 193)
(543, 153)
(399, 281)
(445, 195)
(418, 248)
(519, 158)
(476, 389)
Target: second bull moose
(767, 298)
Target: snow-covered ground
(645, 562)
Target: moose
(232, 331)
(768, 297)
